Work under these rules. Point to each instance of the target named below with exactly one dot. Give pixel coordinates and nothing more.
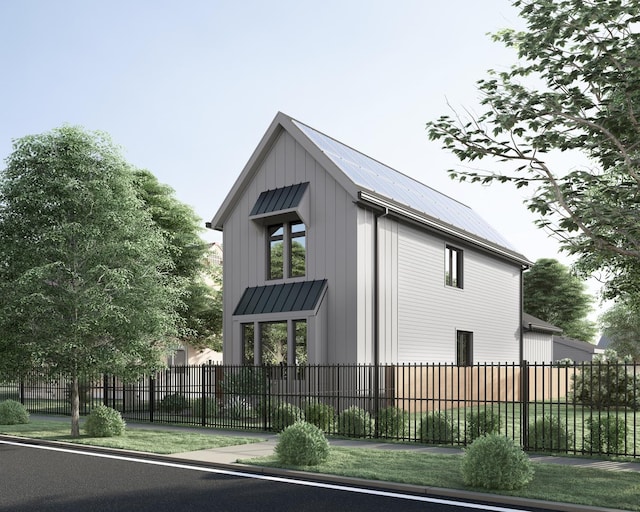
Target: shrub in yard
(319, 414)
(607, 434)
(549, 433)
(302, 444)
(210, 407)
(355, 422)
(606, 383)
(174, 403)
(285, 414)
(481, 422)
(392, 422)
(237, 407)
(104, 421)
(496, 462)
(13, 413)
(437, 427)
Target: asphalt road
(40, 479)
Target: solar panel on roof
(374, 176)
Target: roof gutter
(432, 223)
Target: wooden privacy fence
(423, 388)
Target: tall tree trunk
(75, 407)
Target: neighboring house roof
(604, 342)
(374, 183)
(577, 350)
(531, 323)
(281, 298)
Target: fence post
(152, 395)
(266, 397)
(203, 394)
(105, 390)
(22, 389)
(524, 403)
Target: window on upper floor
(453, 267)
(464, 348)
(287, 250)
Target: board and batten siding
(331, 236)
(420, 314)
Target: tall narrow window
(453, 265)
(274, 344)
(298, 250)
(276, 251)
(248, 344)
(464, 348)
(300, 348)
(287, 250)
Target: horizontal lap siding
(429, 313)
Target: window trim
(454, 279)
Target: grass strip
(142, 440)
(552, 482)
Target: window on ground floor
(464, 348)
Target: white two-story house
(332, 257)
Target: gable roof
(377, 184)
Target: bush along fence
(587, 408)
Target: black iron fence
(588, 408)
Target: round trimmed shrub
(104, 421)
(355, 422)
(210, 407)
(437, 427)
(285, 414)
(174, 403)
(496, 462)
(302, 444)
(13, 413)
(481, 422)
(319, 414)
(392, 422)
(549, 433)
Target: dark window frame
(454, 267)
(464, 348)
(286, 233)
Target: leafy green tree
(621, 323)
(181, 228)
(576, 88)
(553, 294)
(86, 279)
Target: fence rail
(588, 408)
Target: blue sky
(188, 88)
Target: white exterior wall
(419, 314)
(331, 247)
(537, 347)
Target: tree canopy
(201, 305)
(553, 294)
(621, 324)
(575, 87)
(86, 279)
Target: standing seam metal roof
(376, 177)
(279, 199)
(281, 298)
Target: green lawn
(552, 482)
(151, 441)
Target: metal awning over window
(281, 298)
(279, 200)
